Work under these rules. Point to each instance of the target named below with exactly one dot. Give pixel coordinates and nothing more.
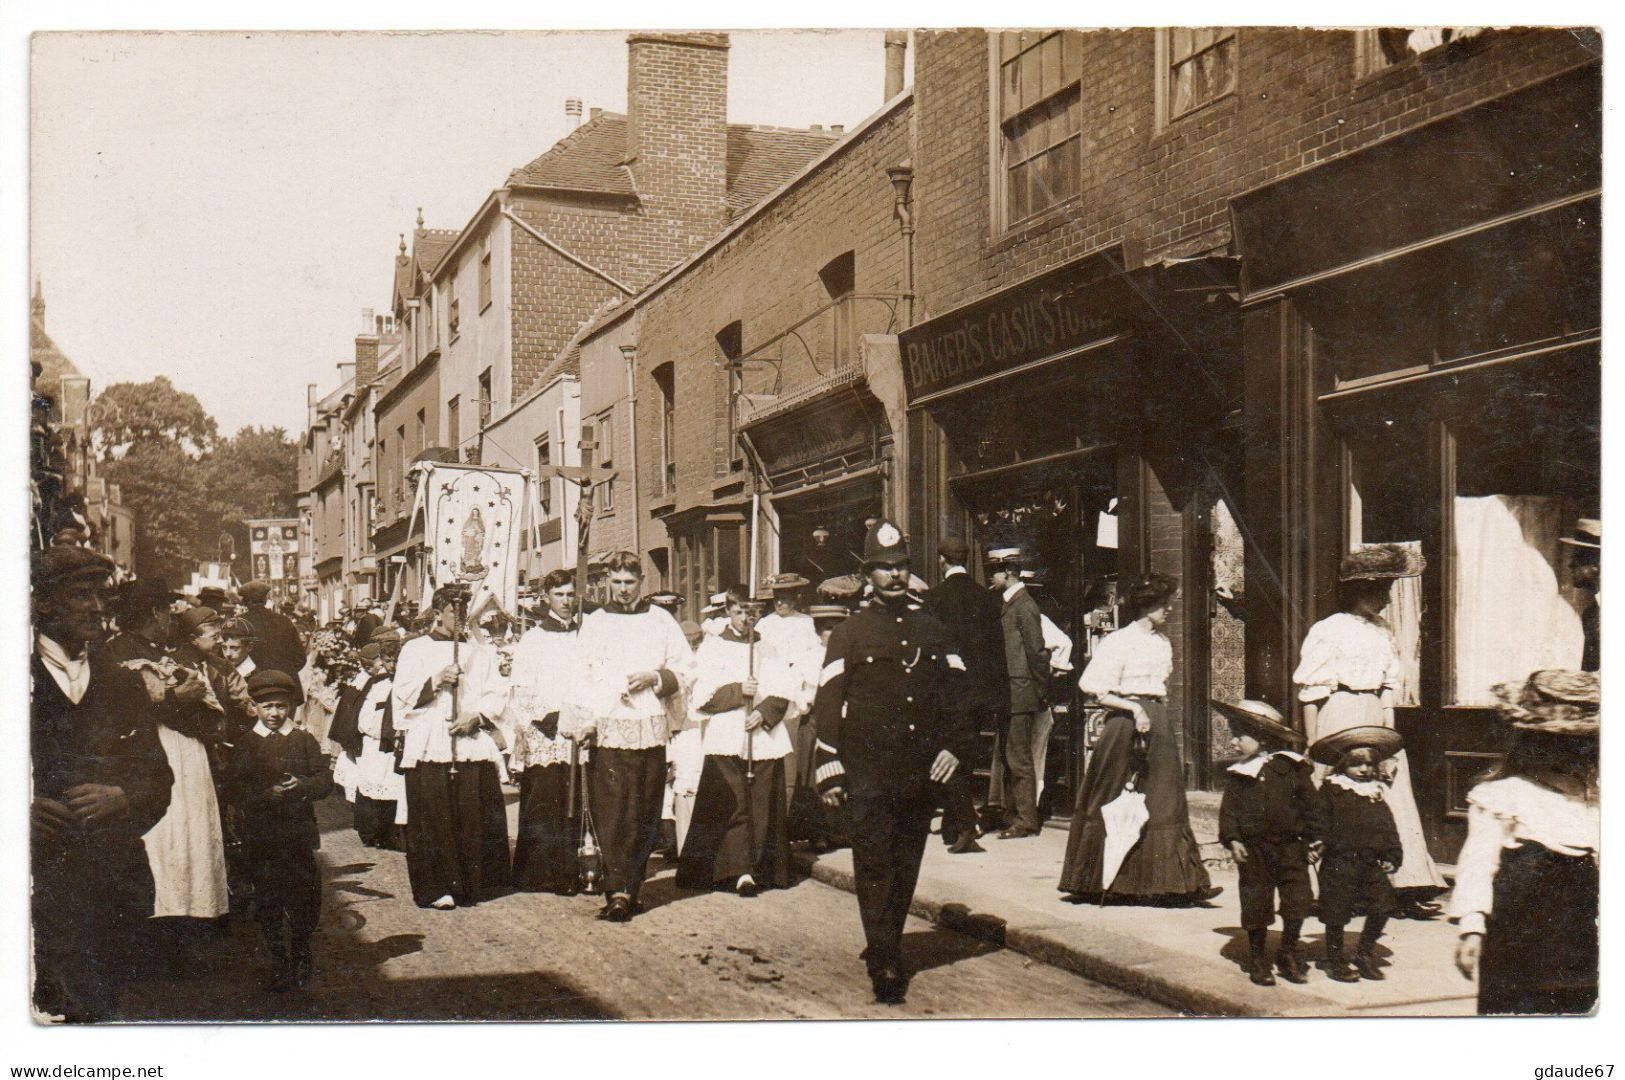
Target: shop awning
(1505, 160)
(834, 433)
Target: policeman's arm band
(832, 670)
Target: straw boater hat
(1587, 534)
(1330, 750)
(1259, 718)
(828, 612)
(1554, 702)
(1001, 557)
(786, 583)
(1382, 562)
(716, 605)
(841, 588)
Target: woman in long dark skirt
(1129, 675)
(1526, 896)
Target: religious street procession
(858, 598)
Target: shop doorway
(1063, 517)
(821, 532)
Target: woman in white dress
(1348, 670)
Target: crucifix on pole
(587, 478)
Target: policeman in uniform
(892, 728)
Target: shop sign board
(1044, 316)
(829, 430)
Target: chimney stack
(366, 350)
(896, 50)
(838, 129)
(677, 131)
(572, 113)
(816, 127)
(596, 112)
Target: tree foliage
(185, 483)
(253, 474)
(126, 414)
(164, 486)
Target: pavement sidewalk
(1186, 958)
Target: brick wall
(766, 276)
(1297, 102)
(677, 132)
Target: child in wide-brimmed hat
(1362, 845)
(1270, 818)
(1526, 896)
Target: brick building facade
(766, 384)
(1236, 223)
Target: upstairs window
(454, 408)
(453, 311)
(839, 278)
(485, 398)
(666, 381)
(731, 344)
(485, 277)
(1196, 66)
(544, 476)
(1382, 47)
(1038, 111)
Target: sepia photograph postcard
(811, 523)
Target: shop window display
(1518, 490)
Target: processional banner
(471, 531)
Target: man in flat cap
(101, 780)
(277, 645)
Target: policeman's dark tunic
(92, 893)
(890, 699)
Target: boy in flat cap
(283, 774)
(1271, 820)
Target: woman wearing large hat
(1526, 897)
(1348, 671)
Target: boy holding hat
(283, 773)
(1271, 819)
(1362, 845)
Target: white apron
(186, 849)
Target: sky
(220, 208)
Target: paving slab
(1190, 959)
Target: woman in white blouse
(1526, 897)
(1348, 670)
(1128, 674)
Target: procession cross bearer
(892, 728)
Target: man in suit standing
(101, 780)
(1027, 666)
(970, 612)
(891, 722)
(277, 644)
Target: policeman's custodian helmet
(884, 545)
